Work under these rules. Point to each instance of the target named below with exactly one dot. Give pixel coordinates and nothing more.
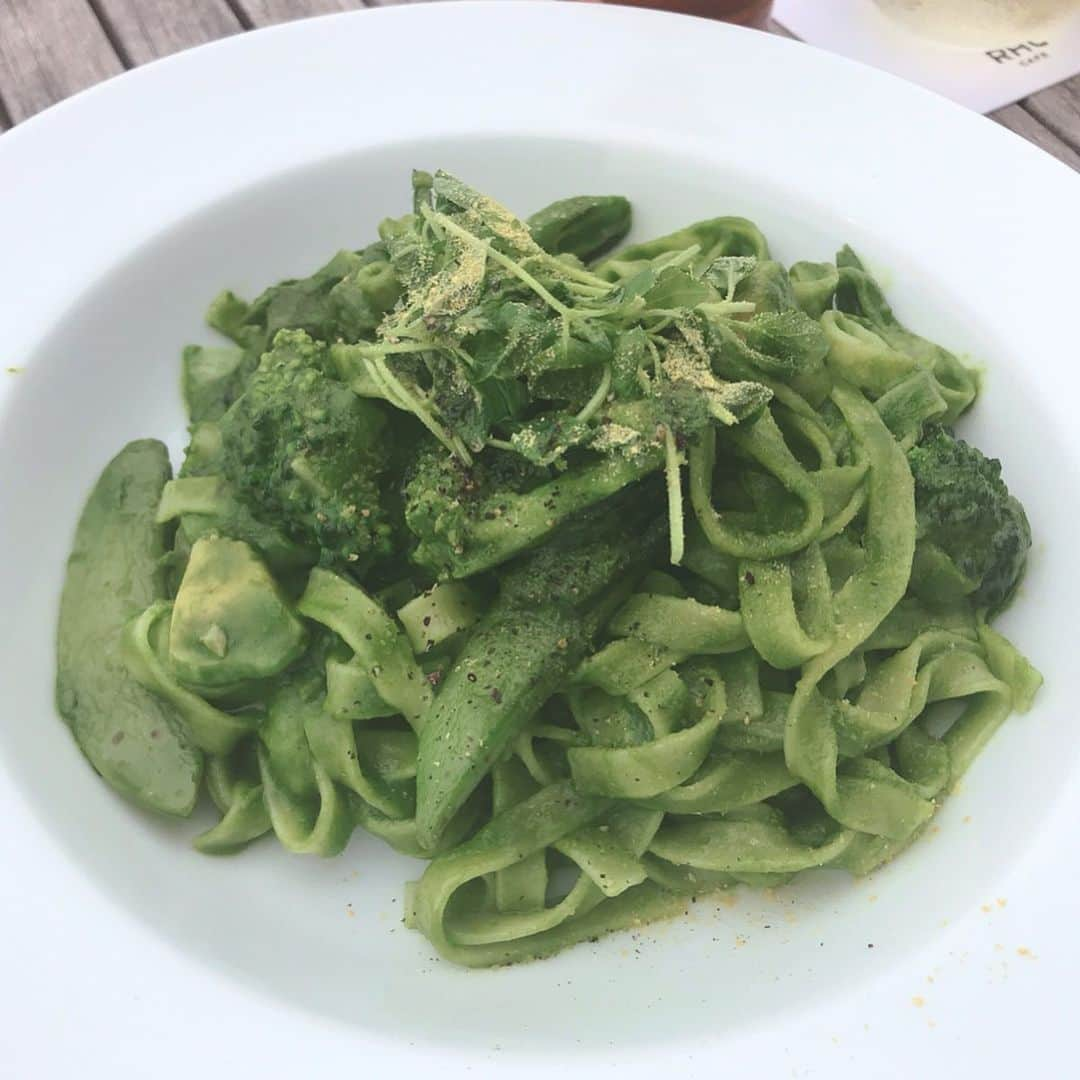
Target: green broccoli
(302, 448)
(964, 508)
(345, 300)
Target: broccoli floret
(343, 301)
(965, 509)
(303, 450)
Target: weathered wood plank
(49, 49)
(1017, 118)
(1058, 107)
(141, 31)
(266, 12)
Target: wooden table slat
(267, 12)
(49, 49)
(141, 32)
(1017, 118)
(1058, 108)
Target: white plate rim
(69, 226)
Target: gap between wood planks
(50, 49)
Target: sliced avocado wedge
(230, 621)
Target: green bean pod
(511, 664)
(585, 226)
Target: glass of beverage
(977, 23)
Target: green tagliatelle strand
(866, 598)
(764, 442)
(433, 569)
(744, 845)
(212, 729)
(787, 607)
(238, 794)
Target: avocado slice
(136, 741)
(230, 621)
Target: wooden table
(52, 48)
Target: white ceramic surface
(125, 209)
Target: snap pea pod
(578, 565)
(514, 661)
(136, 741)
(524, 521)
(585, 226)
(518, 656)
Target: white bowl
(126, 208)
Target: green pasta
(595, 585)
